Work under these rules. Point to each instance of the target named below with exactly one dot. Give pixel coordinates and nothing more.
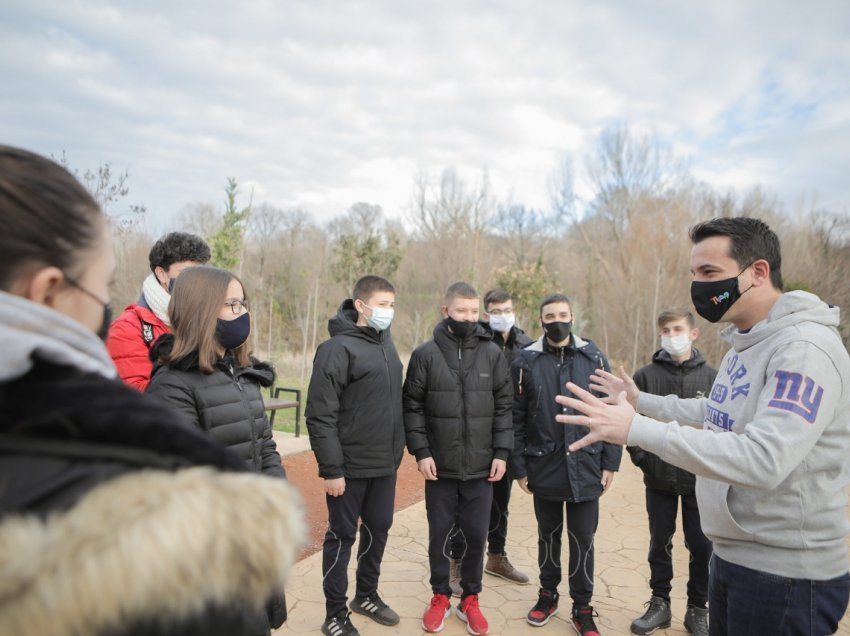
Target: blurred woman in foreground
(116, 515)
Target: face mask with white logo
(677, 345)
(502, 323)
(381, 317)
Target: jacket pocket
(716, 518)
(545, 467)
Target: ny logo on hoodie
(796, 392)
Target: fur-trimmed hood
(149, 548)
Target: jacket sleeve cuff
(649, 434)
(501, 453)
(422, 453)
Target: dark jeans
(661, 509)
(745, 601)
(468, 503)
(371, 500)
(497, 534)
(582, 519)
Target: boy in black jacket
(677, 368)
(543, 466)
(354, 417)
(457, 415)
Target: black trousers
(371, 500)
(661, 509)
(497, 534)
(582, 520)
(468, 503)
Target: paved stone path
(621, 586)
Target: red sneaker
(434, 618)
(583, 621)
(469, 612)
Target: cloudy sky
(322, 103)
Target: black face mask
(712, 299)
(232, 333)
(103, 330)
(461, 328)
(171, 282)
(107, 320)
(557, 331)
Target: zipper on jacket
(389, 384)
(462, 411)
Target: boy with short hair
(678, 368)
(457, 415)
(354, 418)
(498, 320)
(559, 479)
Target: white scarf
(156, 298)
(30, 330)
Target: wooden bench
(274, 403)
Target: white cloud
(323, 104)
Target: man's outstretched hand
(612, 385)
(608, 422)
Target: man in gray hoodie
(770, 445)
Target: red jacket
(130, 338)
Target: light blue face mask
(381, 317)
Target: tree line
(620, 253)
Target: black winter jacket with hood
(540, 372)
(354, 401)
(92, 472)
(664, 376)
(457, 404)
(227, 404)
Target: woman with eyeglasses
(203, 368)
(117, 516)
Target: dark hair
(368, 285)
(751, 240)
(196, 300)
(460, 290)
(676, 313)
(49, 218)
(554, 298)
(496, 297)
(177, 247)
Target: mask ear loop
(741, 293)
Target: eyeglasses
(500, 312)
(236, 306)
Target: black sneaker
(582, 621)
(339, 625)
(373, 607)
(696, 620)
(545, 608)
(657, 615)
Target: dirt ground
(302, 471)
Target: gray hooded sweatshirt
(773, 458)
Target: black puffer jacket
(85, 463)
(540, 372)
(457, 404)
(354, 401)
(227, 404)
(517, 340)
(664, 376)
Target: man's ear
(761, 272)
(444, 310)
(160, 274)
(694, 333)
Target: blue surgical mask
(381, 317)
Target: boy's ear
(444, 310)
(694, 333)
